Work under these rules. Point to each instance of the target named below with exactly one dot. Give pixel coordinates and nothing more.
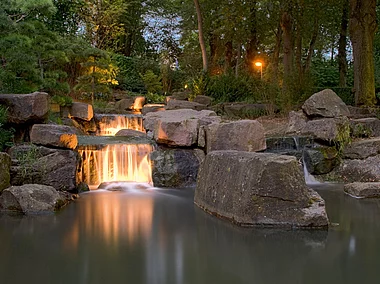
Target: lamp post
(260, 64)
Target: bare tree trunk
(238, 55)
(201, 37)
(213, 44)
(276, 54)
(310, 51)
(228, 57)
(362, 31)
(288, 47)
(342, 48)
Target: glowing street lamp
(260, 64)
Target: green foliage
(27, 160)
(63, 101)
(199, 86)
(361, 131)
(152, 82)
(6, 135)
(154, 98)
(343, 139)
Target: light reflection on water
(157, 236)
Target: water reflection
(158, 236)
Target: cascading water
(109, 125)
(115, 159)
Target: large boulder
(363, 189)
(40, 165)
(175, 167)
(362, 149)
(366, 170)
(177, 104)
(26, 108)
(178, 127)
(256, 189)
(31, 199)
(245, 110)
(82, 111)
(52, 135)
(5, 167)
(326, 129)
(242, 135)
(325, 104)
(297, 122)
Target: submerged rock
(60, 136)
(256, 189)
(325, 104)
(363, 189)
(175, 167)
(5, 167)
(32, 199)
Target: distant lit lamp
(260, 64)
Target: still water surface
(159, 236)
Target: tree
(362, 32)
(201, 37)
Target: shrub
(6, 135)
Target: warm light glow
(258, 64)
(186, 86)
(110, 125)
(116, 163)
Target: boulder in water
(31, 199)
(175, 167)
(363, 189)
(258, 189)
(130, 133)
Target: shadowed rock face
(255, 189)
(41, 165)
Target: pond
(151, 236)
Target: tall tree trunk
(213, 44)
(362, 31)
(276, 54)
(288, 47)
(228, 57)
(238, 55)
(310, 52)
(252, 46)
(201, 37)
(342, 48)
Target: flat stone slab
(363, 189)
(52, 135)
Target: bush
(63, 101)
(153, 98)
(6, 135)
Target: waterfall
(117, 162)
(110, 124)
